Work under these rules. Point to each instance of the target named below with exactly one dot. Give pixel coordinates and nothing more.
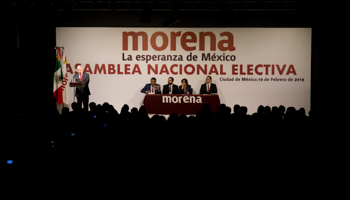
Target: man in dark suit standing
(151, 88)
(208, 87)
(171, 88)
(82, 93)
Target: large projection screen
(250, 66)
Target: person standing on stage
(171, 88)
(208, 87)
(185, 88)
(151, 88)
(82, 93)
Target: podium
(76, 84)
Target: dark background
(28, 58)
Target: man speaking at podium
(82, 93)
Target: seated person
(171, 88)
(208, 87)
(185, 88)
(152, 88)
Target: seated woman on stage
(185, 88)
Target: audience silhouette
(144, 147)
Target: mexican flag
(60, 78)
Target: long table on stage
(179, 104)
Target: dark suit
(148, 88)
(174, 91)
(212, 89)
(82, 94)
